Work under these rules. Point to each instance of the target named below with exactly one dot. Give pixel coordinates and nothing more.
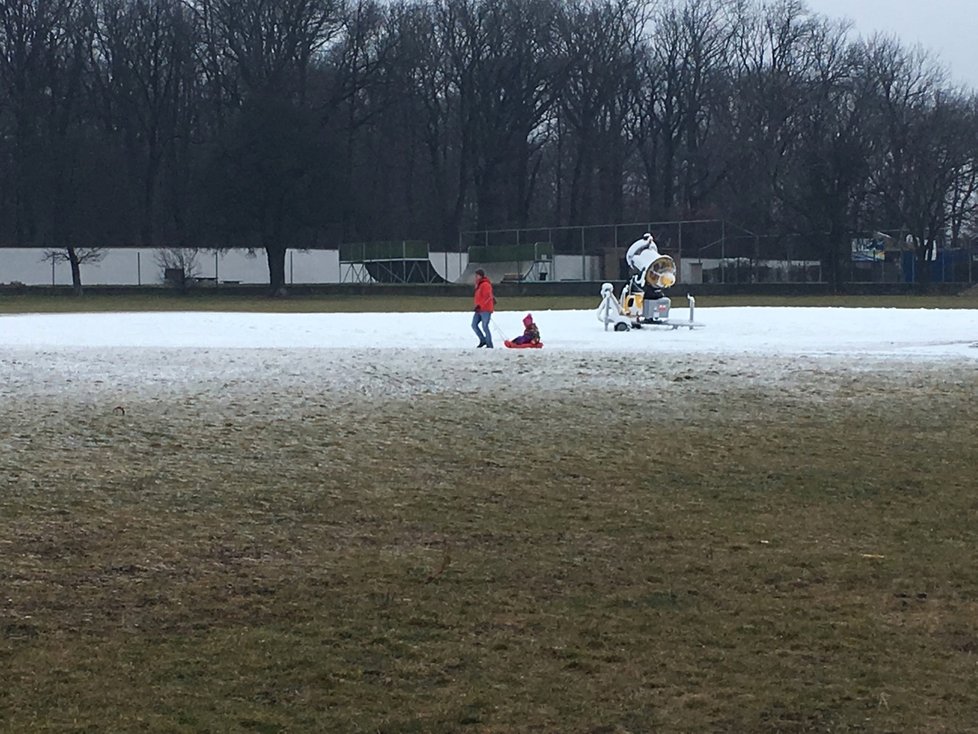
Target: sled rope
(499, 331)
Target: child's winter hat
(527, 320)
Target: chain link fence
(706, 251)
(716, 251)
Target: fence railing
(707, 251)
(716, 251)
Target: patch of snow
(845, 332)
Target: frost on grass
(429, 540)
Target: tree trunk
(924, 265)
(580, 195)
(149, 198)
(835, 262)
(276, 270)
(487, 198)
(76, 282)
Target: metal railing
(707, 251)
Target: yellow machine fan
(633, 304)
(661, 273)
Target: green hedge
(362, 251)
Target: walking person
(484, 303)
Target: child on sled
(531, 334)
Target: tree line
(302, 123)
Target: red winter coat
(484, 300)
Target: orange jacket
(484, 300)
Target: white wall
(310, 266)
(449, 265)
(575, 267)
(141, 266)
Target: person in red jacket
(484, 303)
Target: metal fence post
(723, 249)
(723, 260)
(583, 261)
(553, 255)
(519, 258)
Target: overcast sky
(949, 28)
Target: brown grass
(762, 557)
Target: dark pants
(481, 319)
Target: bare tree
(183, 260)
(923, 144)
(504, 72)
(603, 46)
(684, 103)
(42, 63)
(145, 65)
(770, 102)
(271, 125)
(823, 193)
(962, 197)
(75, 257)
(433, 88)
(269, 156)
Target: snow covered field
(851, 333)
(347, 513)
(339, 358)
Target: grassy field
(165, 301)
(769, 555)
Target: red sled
(530, 345)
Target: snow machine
(642, 302)
(530, 345)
